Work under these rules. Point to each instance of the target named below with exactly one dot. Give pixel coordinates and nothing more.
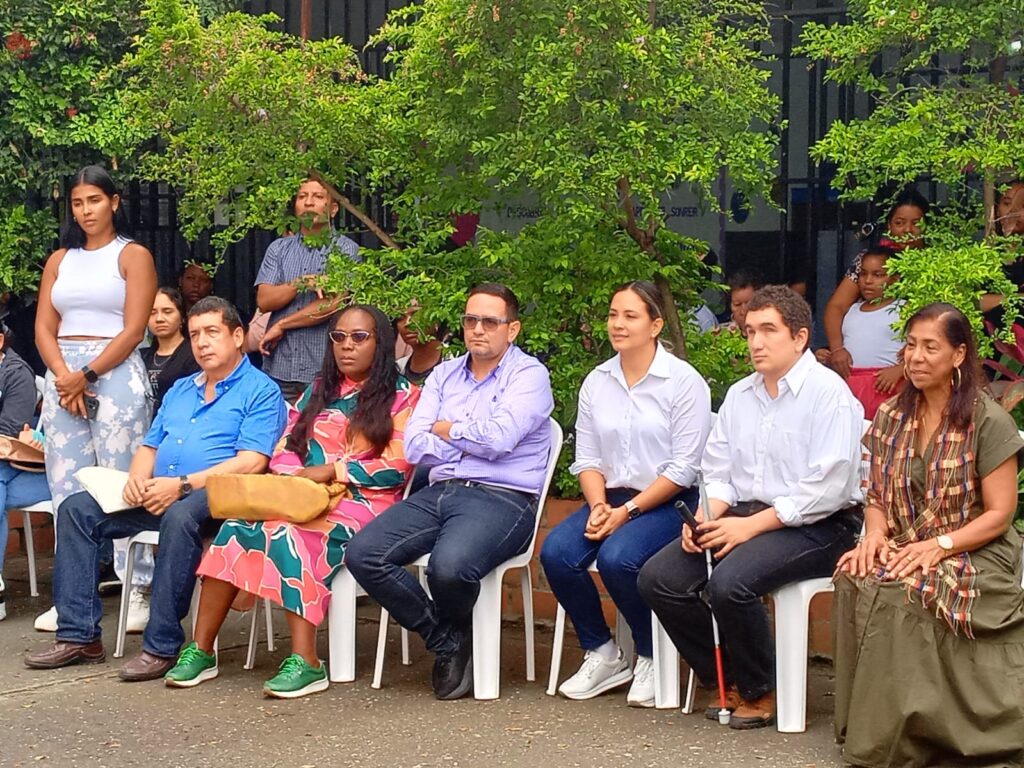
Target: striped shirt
(300, 353)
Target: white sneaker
(47, 622)
(3, 605)
(595, 676)
(138, 611)
(641, 692)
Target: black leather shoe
(452, 677)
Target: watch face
(945, 542)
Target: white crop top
(89, 291)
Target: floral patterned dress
(293, 564)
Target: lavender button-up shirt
(499, 433)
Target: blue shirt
(247, 413)
(499, 434)
(299, 355)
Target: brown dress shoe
(754, 714)
(732, 700)
(145, 666)
(63, 654)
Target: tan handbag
(21, 455)
(269, 497)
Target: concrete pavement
(84, 716)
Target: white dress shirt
(799, 452)
(631, 435)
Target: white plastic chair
(341, 625)
(623, 637)
(487, 610)
(792, 604)
(42, 508)
(153, 538)
(341, 618)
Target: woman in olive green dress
(928, 617)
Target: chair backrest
(553, 452)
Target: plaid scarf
(950, 490)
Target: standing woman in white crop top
(95, 297)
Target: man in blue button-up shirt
(224, 420)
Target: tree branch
(352, 208)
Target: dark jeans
(82, 530)
(468, 531)
(672, 580)
(291, 390)
(567, 554)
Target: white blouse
(799, 452)
(657, 427)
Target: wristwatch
(945, 542)
(90, 375)
(633, 510)
(185, 488)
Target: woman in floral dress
(347, 429)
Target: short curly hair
(795, 311)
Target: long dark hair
(957, 330)
(372, 415)
(71, 234)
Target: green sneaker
(296, 678)
(193, 667)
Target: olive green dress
(909, 692)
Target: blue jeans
(468, 531)
(566, 555)
(80, 535)
(18, 489)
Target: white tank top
(869, 337)
(89, 291)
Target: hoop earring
(958, 379)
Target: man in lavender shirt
(481, 425)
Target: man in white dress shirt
(783, 484)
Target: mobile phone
(688, 517)
(92, 405)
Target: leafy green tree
(942, 108)
(53, 61)
(592, 111)
(234, 115)
(59, 80)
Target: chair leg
(691, 691)
(556, 651)
(250, 656)
(624, 638)
(487, 638)
(126, 588)
(526, 581)
(791, 606)
(267, 605)
(30, 551)
(382, 641)
(666, 667)
(341, 618)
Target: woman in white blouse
(643, 418)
